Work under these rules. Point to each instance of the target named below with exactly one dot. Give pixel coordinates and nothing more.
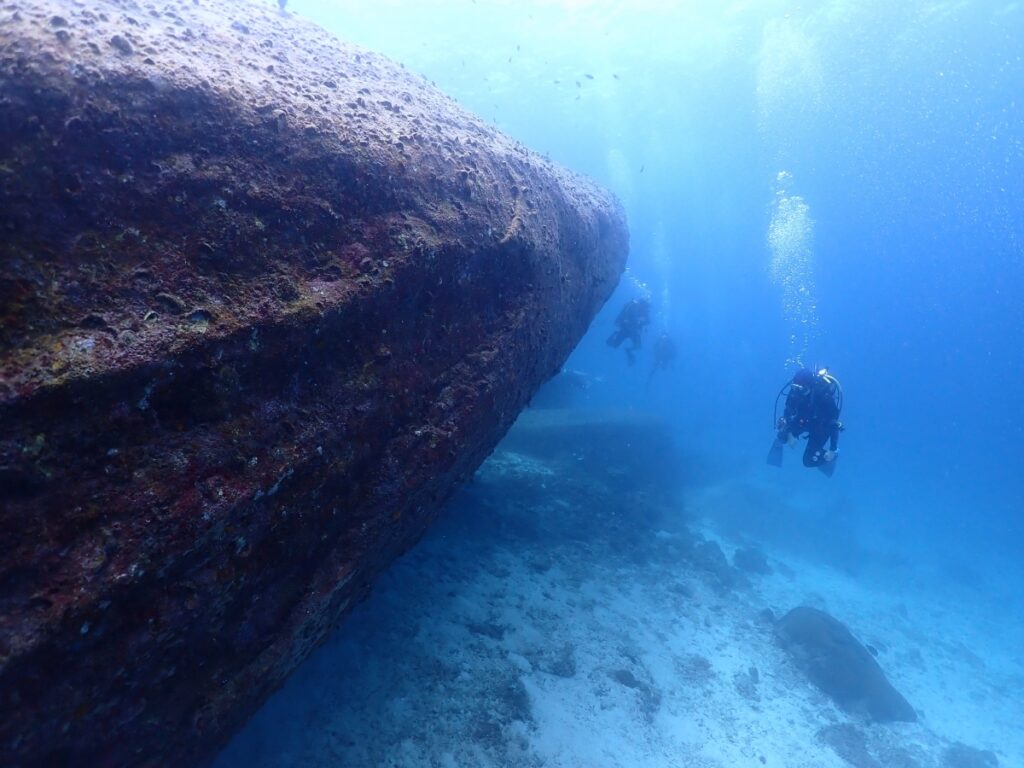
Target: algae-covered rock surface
(266, 298)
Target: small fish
(615, 76)
(578, 84)
(509, 59)
(588, 76)
(642, 168)
(517, 47)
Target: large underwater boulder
(835, 661)
(265, 299)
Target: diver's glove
(830, 455)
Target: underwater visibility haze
(826, 183)
(830, 184)
(834, 185)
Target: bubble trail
(791, 243)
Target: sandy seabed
(554, 617)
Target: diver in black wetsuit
(630, 323)
(812, 408)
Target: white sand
(559, 630)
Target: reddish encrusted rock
(265, 299)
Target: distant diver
(282, 4)
(664, 354)
(629, 325)
(813, 403)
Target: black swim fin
(775, 454)
(828, 467)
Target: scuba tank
(835, 390)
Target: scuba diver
(664, 354)
(813, 402)
(629, 325)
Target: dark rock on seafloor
(751, 560)
(835, 661)
(265, 300)
(554, 660)
(709, 558)
(859, 749)
(850, 744)
(962, 756)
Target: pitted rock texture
(265, 299)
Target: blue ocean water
(898, 125)
(836, 183)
